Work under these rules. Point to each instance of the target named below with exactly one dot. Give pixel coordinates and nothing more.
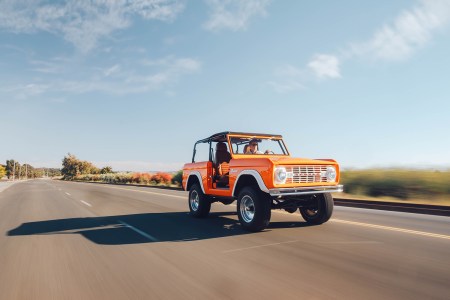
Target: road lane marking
(84, 202)
(139, 231)
(260, 246)
(67, 194)
(396, 229)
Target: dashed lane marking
(144, 234)
(67, 194)
(85, 203)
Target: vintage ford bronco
(258, 171)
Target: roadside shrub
(388, 187)
(398, 183)
(177, 178)
(161, 178)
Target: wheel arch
(194, 177)
(248, 178)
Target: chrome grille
(306, 174)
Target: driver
(253, 148)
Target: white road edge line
(139, 231)
(422, 233)
(84, 202)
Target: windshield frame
(279, 139)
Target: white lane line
(84, 202)
(422, 233)
(139, 231)
(67, 194)
(260, 246)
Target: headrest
(221, 146)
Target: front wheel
(199, 203)
(253, 209)
(320, 211)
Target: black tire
(199, 203)
(253, 209)
(321, 211)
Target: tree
(71, 166)
(106, 170)
(10, 171)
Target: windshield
(258, 145)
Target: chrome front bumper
(306, 190)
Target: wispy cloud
(398, 40)
(82, 23)
(233, 14)
(137, 76)
(287, 79)
(410, 31)
(325, 66)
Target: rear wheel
(253, 209)
(320, 211)
(199, 203)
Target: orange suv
(258, 171)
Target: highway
(67, 240)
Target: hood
(278, 160)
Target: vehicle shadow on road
(143, 228)
(137, 228)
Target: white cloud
(121, 78)
(325, 66)
(110, 71)
(22, 91)
(234, 14)
(288, 79)
(410, 31)
(82, 22)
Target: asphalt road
(64, 240)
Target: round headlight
(331, 174)
(280, 175)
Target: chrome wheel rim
(247, 209)
(311, 212)
(194, 200)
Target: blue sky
(133, 84)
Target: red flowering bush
(161, 178)
(141, 178)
